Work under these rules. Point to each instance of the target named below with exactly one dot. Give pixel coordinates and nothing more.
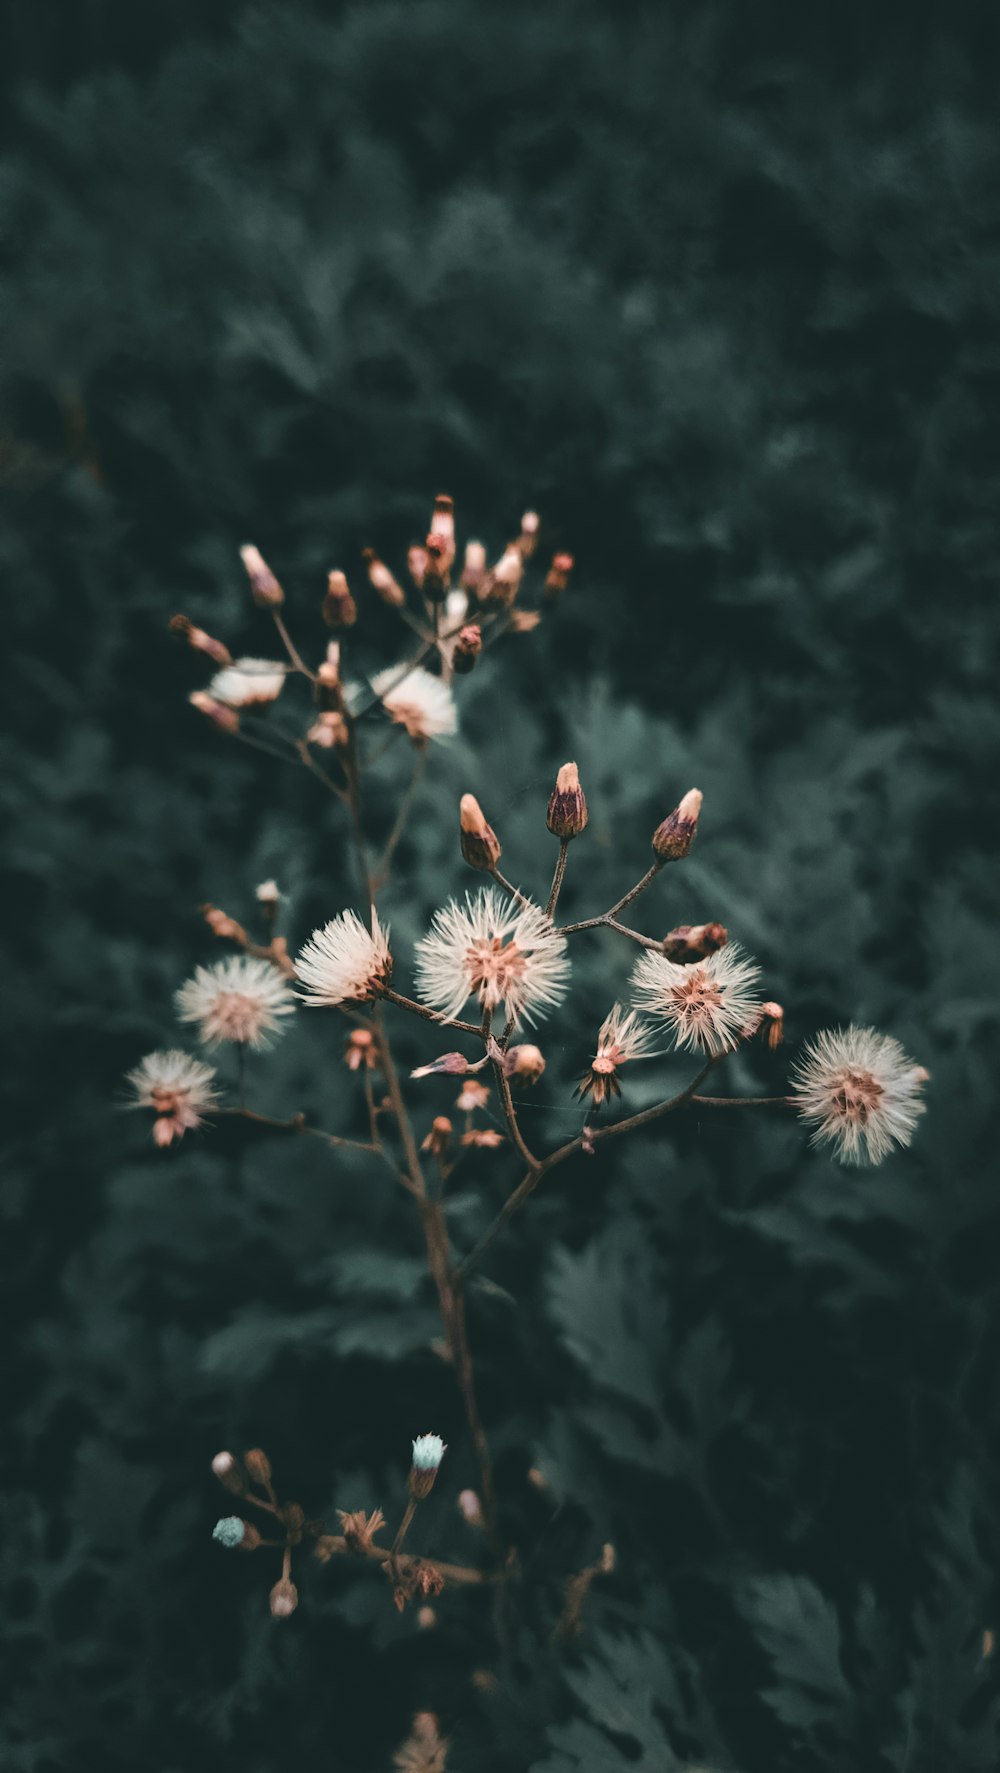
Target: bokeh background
(713, 287)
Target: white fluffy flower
(707, 1007)
(860, 1091)
(421, 703)
(428, 1452)
(344, 962)
(623, 1035)
(248, 683)
(178, 1087)
(239, 999)
(499, 950)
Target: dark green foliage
(716, 292)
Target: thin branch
(557, 878)
(745, 1101)
(515, 892)
(403, 813)
(291, 649)
(298, 1124)
(608, 919)
(419, 1009)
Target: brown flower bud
(361, 1053)
(467, 648)
(479, 842)
(202, 642)
(567, 815)
(485, 1138)
(772, 1024)
(264, 587)
(225, 718)
(416, 563)
(557, 577)
(470, 1508)
(229, 1473)
(436, 1141)
(694, 941)
(474, 566)
(528, 538)
(426, 1618)
(523, 621)
(329, 694)
(443, 527)
(258, 1465)
(673, 839)
(451, 1064)
(435, 582)
(284, 1598)
(381, 579)
(473, 1095)
(222, 925)
(339, 607)
(329, 730)
(525, 1062)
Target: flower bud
(416, 563)
(523, 621)
(225, 718)
(772, 1024)
(426, 1618)
(202, 642)
(436, 1141)
(467, 648)
(473, 1095)
(258, 1465)
(428, 1452)
(222, 925)
(474, 566)
(470, 1508)
(673, 839)
(264, 587)
(529, 534)
(525, 1062)
(694, 941)
(329, 730)
(479, 842)
(567, 815)
(451, 1064)
(268, 893)
(485, 1138)
(557, 577)
(227, 1470)
(443, 527)
(329, 694)
(361, 1052)
(284, 1598)
(381, 579)
(434, 583)
(339, 607)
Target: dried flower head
(860, 1091)
(177, 1087)
(623, 1035)
(436, 1141)
(485, 1138)
(345, 963)
(557, 577)
(339, 607)
(500, 952)
(567, 815)
(382, 580)
(526, 1063)
(361, 1051)
(200, 641)
(328, 730)
(264, 587)
(360, 1529)
(707, 1007)
(230, 1532)
(472, 1096)
(449, 1065)
(219, 713)
(479, 842)
(248, 683)
(467, 648)
(284, 1598)
(425, 1749)
(674, 837)
(418, 702)
(240, 999)
(693, 941)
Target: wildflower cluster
(497, 954)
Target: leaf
(608, 1304)
(799, 1630)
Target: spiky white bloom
(428, 1452)
(707, 1007)
(240, 999)
(248, 682)
(344, 962)
(622, 1036)
(860, 1091)
(499, 950)
(421, 703)
(178, 1087)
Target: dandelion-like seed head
(177, 1087)
(623, 1035)
(344, 962)
(707, 1007)
(241, 999)
(419, 702)
(428, 1452)
(248, 683)
(496, 950)
(860, 1092)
